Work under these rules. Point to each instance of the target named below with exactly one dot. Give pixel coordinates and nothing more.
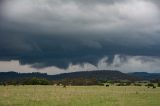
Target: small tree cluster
(27, 81)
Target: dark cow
(107, 85)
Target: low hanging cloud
(124, 64)
(46, 33)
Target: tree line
(79, 82)
(43, 81)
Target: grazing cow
(107, 85)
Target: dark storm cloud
(59, 32)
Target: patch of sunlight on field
(78, 96)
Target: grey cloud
(58, 32)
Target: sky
(57, 36)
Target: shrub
(151, 85)
(135, 84)
(158, 84)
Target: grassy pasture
(79, 96)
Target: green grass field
(78, 96)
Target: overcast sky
(57, 36)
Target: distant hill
(99, 75)
(145, 75)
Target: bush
(135, 84)
(151, 85)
